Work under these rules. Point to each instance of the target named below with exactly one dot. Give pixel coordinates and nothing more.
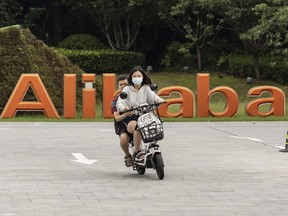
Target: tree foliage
(260, 24)
(198, 21)
(255, 27)
(119, 20)
(9, 12)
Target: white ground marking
(248, 138)
(8, 214)
(82, 159)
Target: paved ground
(211, 169)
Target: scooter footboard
(148, 161)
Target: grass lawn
(217, 101)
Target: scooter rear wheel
(159, 165)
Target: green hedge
(271, 68)
(81, 42)
(104, 61)
(21, 52)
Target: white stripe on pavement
(248, 138)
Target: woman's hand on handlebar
(127, 112)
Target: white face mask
(137, 80)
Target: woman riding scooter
(138, 92)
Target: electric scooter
(151, 129)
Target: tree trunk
(56, 22)
(199, 61)
(256, 66)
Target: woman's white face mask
(137, 80)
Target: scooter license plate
(145, 119)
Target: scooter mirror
(153, 86)
(123, 95)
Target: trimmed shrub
(81, 42)
(271, 68)
(100, 61)
(21, 52)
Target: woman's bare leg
(136, 135)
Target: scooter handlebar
(140, 108)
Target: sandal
(128, 160)
(140, 156)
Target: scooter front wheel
(140, 170)
(159, 165)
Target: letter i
(88, 96)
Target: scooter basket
(152, 132)
(150, 127)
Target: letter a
(15, 102)
(277, 101)
(186, 101)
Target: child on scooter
(120, 127)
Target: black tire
(159, 165)
(140, 170)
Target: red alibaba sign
(187, 99)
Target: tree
(45, 17)
(281, 44)
(37, 15)
(51, 12)
(119, 20)
(260, 24)
(9, 11)
(197, 20)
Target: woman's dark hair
(146, 78)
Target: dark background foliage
(206, 31)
